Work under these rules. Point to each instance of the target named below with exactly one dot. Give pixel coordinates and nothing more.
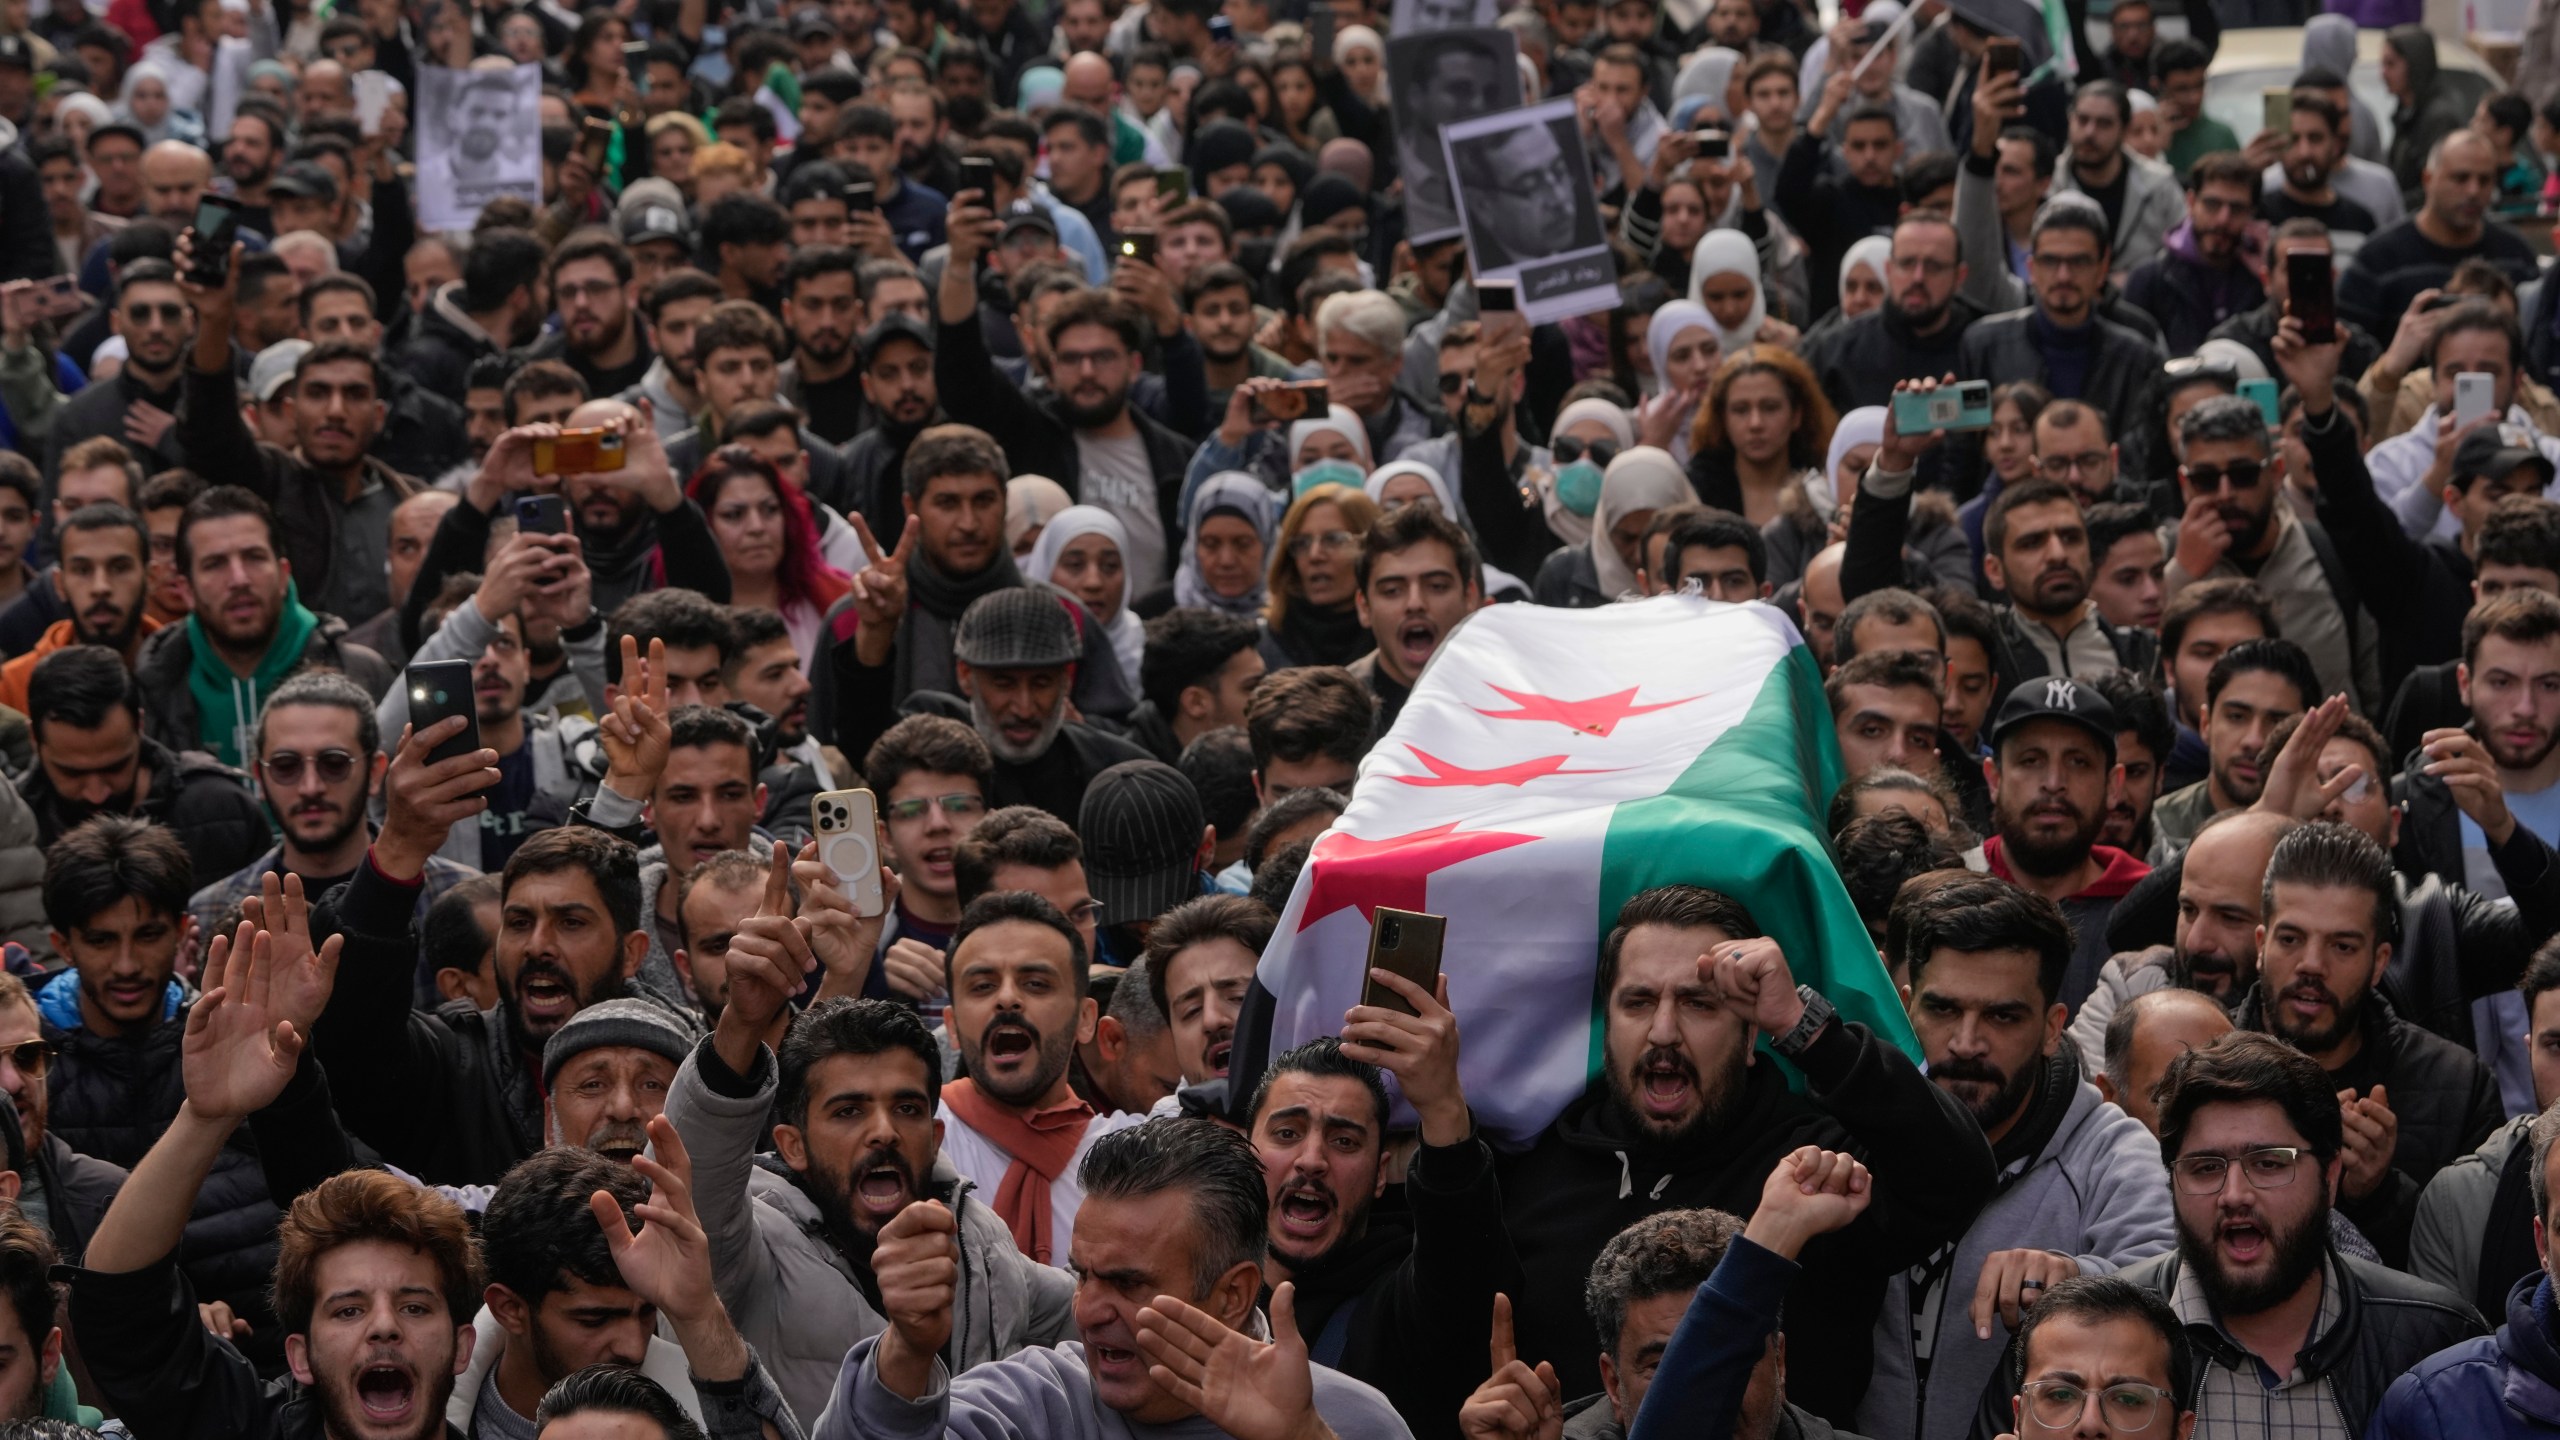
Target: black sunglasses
(1570, 448)
(2243, 475)
(285, 766)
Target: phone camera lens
(1391, 935)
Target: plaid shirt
(212, 903)
(2250, 1400)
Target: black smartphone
(1139, 245)
(597, 138)
(542, 515)
(1404, 943)
(439, 689)
(2001, 56)
(1320, 29)
(978, 173)
(861, 197)
(1222, 31)
(217, 228)
(1498, 297)
(2311, 294)
(1173, 185)
(1715, 145)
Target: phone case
(439, 689)
(847, 823)
(1406, 943)
(2473, 396)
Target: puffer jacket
(797, 1296)
(2093, 1188)
(2387, 1323)
(2474, 1231)
(207, 803)
(2507, 1384)
(111, 1098)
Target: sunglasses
(1453, 382)
(1568, 449)
(958, 807)
(285, 766)
(32, 1057)
(2243, 475)
(143, 313)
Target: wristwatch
(1817, 1013)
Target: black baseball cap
(16, 52)
(1141, 824)
(809, 22)
(1027, 215)
(2057, 698)
(894, 326)
(2493, 452)
(304, 180)
(642, 224)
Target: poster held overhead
(479, 137)
(1434, 79)
(1530, 213)
(1415, 17)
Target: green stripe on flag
(1746, 818)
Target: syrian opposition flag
(1550, 765)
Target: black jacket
(2429, 699)
(206, 802)
(1860, 361)
(442, 344)
(2446, 1102)
(99, 409)
(2176, 292)
(220, 448)
(424, 435)
(1036, 437)
(1829, 211)
(167, 1377)
(2430, 579)
(2387, 1322)
(2257, 330)
(1584, 1181)
(1398, 1307)
(2123, 371)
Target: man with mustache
(318, 762)
(1914, 332)
(2253, 1139)
(1681, 1116)
(1200, 961)
(1017, 654)
(593, 285)
(2256, 686)
(2035, 540)
(850, 1100)
(2234, 525)
(454, 1094)
(2198, 280)
(2214, 950)
(2082, 1187)
(1401, 1276)
(2142, 748)
(2052, 766)
(102, 573)
(2412, 1101)
(93, 758)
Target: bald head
(600, 412)
(2460, 180)
(1349, 159)
(1089, 81)
(2219, 900)
(1819, 601)
(413, 529)
(2144, 1035)
(174, 176)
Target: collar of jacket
(2322, 1357)
(2530, 1341)
(2047, 1107)
(2376, 1021)
(1960, 315)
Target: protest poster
(1415, 17)
(479, 137)
(1531, 215)
(1433, 79)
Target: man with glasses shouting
(319, 759)
(2104, 1359)
(2252, 1132)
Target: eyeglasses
(1088, 913)
(2243, 475)
(143, 313)
(2126, 1408)
(2087, 462)
(1331, 542)
(1568, 449)
(32, 1058)
(2269, 1169)
(285, 766)
(958, 807)
(2067, 262)
(1455, 381)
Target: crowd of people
(1039, 436)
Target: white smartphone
(847, 823)
(2472, 397)
(373, 96)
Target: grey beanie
(639, 1024)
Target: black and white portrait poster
(1414, 17)
(479, 137)
(1434, 79)
(1526, 201)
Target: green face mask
(1325, 472)
(1578, 488)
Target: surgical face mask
(1326, 472)
(1578, 487)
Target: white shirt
(1118, 478)
(985, 1162)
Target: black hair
(1024, 835)
(1926, 174)
(816, 260)
(743, 217)
(2097, 1299)
(1010, 907)
(538, 1232)
(1239, 918)
(2114, 521)
(1400, 530)
(816, 180)
(1219, 764)
(593, 244)
(2172, 57)
(2246, 1067)
(844, 1026)
(1323, 1059)
(1985, 913)
(1670, 1253)
(1673, 907)
(933, 744)
(2140, 707)
(746, 110)
(612, 862)
(77, 686)
(333, 690)
(1215, 1164)
(450, 937)
(1893, 605)
(2276, 657)
(2325, 855)
(1308, 711)
(1878, 854)
(1188, 646)
(615, 1390)
(685, 619)
(1287, 812)
(108, 515)
(108, 859)
(1715, 530)
(499, 263)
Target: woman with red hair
(770, 539)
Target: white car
(2251, 62)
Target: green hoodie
(226, 705)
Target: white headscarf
(1361, 37)
(1031, 501)
(1247, 496)
(1728, 252)
(1862, 426)
(1378, 478)
(1339, 419)
(1875, 252)
(2142, 101)
(1707, 75)
(1621, 427)
(1128, 633)
(1664, 332)
(1643, 478)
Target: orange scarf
(1042, 1144)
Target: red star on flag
(1599, 715)
(1444, 773)
(1352, 873)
